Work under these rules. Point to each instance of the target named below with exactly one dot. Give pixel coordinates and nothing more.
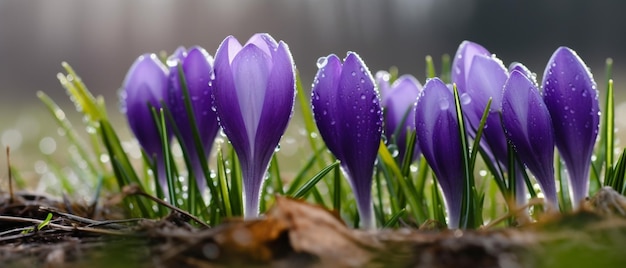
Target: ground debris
(298, 234)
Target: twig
(11, 197)
(87, 221)
(63, 227)
(133, 189)
(532, 202)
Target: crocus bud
(438, 137)
(398, 100)
(572, 99)
(254, 97)
(196, 64)
(483, 79)
(463, 61)
(146, 84)
(529, 128)
(348, 115)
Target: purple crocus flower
(254, 97)
(462, 62)
(529, 128)
(483, 79)
(196, 64)
(438, 137)
(146, 83)
(398, 100)
(349, 118)
(572, 99)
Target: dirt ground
(297, 234)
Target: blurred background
(101, 39)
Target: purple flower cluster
(249, 89)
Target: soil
(297, 234)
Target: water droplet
(444, 104)
(323, 75)
(277, 148)
(332, 123)
(457, 69)
(363, 96)
(324, 112)
(577, 77)
(321, 62)
(566, 108)
(353, 73)
(466, 99)
(362, 80)
(393, 149)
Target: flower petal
(529, 128)
(348, 114)
(572, 99)
(251, 69)
(463, 61)
(361, 126)
(400, 105)
(277, 107)
(145, 82)
(227, 102)
(324, 97)
(438, 137)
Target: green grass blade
(276, 178)
(468, 210)
(236, 199)
(45, 222)
(564, 201)
(609, 127)
(479, 134)
(337, 190)
(307, 118)
(70, 132)
(197, 141)
(300, 177)
(406, 185)
(445, 69)
(430, 67)
(222, 184)
(411, 140)
(394, 219)
(306, 188)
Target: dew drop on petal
(444, 104)
(321, 62)
(363, 96)
(466, 99)
(353, 73)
